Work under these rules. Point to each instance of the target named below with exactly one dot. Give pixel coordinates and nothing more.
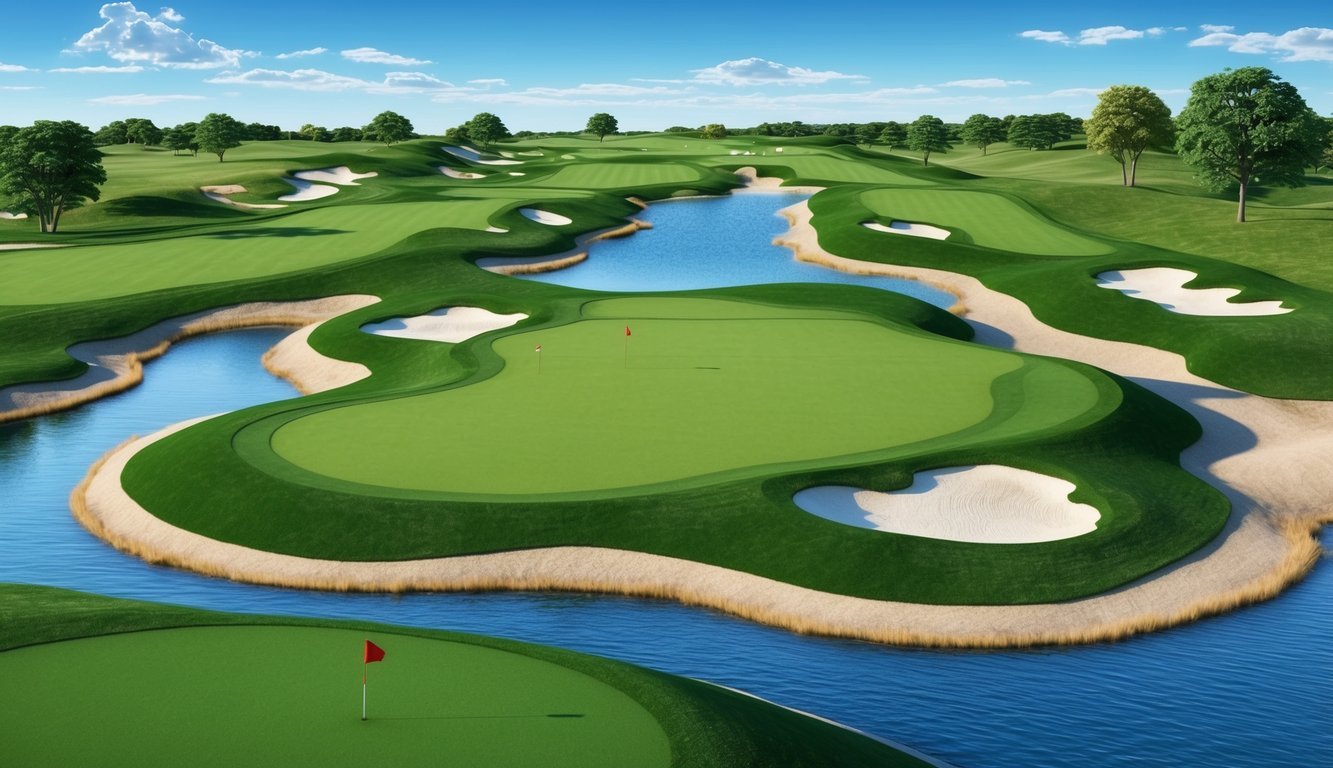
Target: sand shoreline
(1273, 460)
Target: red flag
(373, 653)
(627, 330)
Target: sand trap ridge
(340, 175)
(451, 173)
(545, 217)
(987, 504)
(7, 216)
(472, 155)
(908, 228)
(449, 324)
(218, 194)
(1165, 287)
(307, 191)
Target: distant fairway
(291, 696)
(300, 240)
(990, 220)
(710, 387)
(619, 175)
(837, 169)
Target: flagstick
(626, 350)
(364, 668)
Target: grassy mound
(149, 685)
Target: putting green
(701, 388)
(993, 221)
(275, 695)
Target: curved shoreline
(1272, 459)
(115, 365)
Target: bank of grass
(1122, 455)
(97, 673)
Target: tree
(714, 131)
(981, 131)
(1128, 120)
(486, 128)
(51, 167)
(218, 133)
(111, 133)
(1326, 157)
(140, 130)
(311, 132)
(1040, 131)
(867, 134)
(389, 127)
(1245, 125)
(346, 133)
(601, 124)
(894, 135)
(927, 134)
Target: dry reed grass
(633, 226)
(538, 267)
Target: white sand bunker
(471, 155)
(986, 504)
(908, 228)
(307, 191)
(497, 230)
(341, 175)
(451, 173)
(7, 216)
(545, 217)
(450, 324)
(218, 194)
(1165, 286)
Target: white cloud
(170, 14)
(101, 70)
(1210, 28)
(1067, 92)
(1103, 35)
(487, 82)
(144, 99)
(1304, 44)
(1155, 31)
(300, 54)
(20, 87)
(1044, 36)
(14, 68)
(319, 80)
(374, 56)
(757, 71)
(984, 82)
(130, 35)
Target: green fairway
(619, 175)
(182, 696)
(833, 169)
(98, 681)
(707, 388)
(989, 220)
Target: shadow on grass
(166, 206)
(252, 232)
(564, 716)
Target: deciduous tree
(981, 131)
(928, 134)
(1128, 120)
(714, 131)
(218, 133)
(51, 167)
(601, 124)
(1247, 125)
(390, 127)
(894, 135)
(486, 128)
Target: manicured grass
(988, 220)
(121, 683)
(707, 390)
(294, 693)
(621, 175)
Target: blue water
(712, 243)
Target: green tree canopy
(928, 134)
(868, 133)
(346, 133)
(49, 168)
(141, 130)
(894, 135)
(981, 131)
(486, 128)
(601, 124)
(112, 133)
(1245, 126)
(1128, 120)
(218, 133)
(714, 131)
(1040, 131)
(390, 127)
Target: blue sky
(549, 65)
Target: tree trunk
(1134, 169)
(1240, 209)
(925, 160)
(1124, 178)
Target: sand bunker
(306, 191)
(517, 173)
(26, 246)
(450, 324)
(339, 175)
(473, 156)
(908, 228)
(987, 504)
(218, 194)
(497, 230)
(7, 216)
(1165, 287)
(545, 217)
(451, 173)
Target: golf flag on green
(627, 330)
(371, 654)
